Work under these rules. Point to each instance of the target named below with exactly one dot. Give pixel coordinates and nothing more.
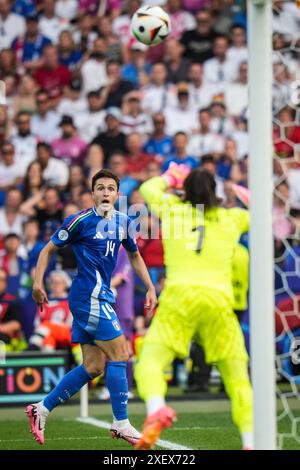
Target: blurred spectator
(90, 121)
(33, 182)
(52, 76)
(49, 211)
(11, 24)
(50, 24)
(121, 24)
(66, 9)
(84, 36)
(220, 69)
(24, 141)
(68, 55)
(69, 148)
(181, 20)
(11, 173)
(227, 166)
(133, 118)
(55, 172)
(29, 48)
(198, 42)
(286, 18)
(10, 82)
(25, 99)
(221, 123)
(73, 102)
(112, 140)
(201, 93)
(118, 165)
(11, 262)
(44, 123)
(180, 155)
(10, 218)
(177, 66)
(93, 161)
(115, 49)
(137, 159)
(182, 115)
(53, 324)
(94, 72)
(293, 180)
(205, 141)
(287, 134)
(236, 93)
(7, 63)
(282, 89)
(86, 201)
(238, 51)
(112, 94)
(159, 143)
(76, 185)
(138, 69)
(157, 94)
(5, 124)
(10, 318)
(208, 163)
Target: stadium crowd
(79, 93)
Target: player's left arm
(140, 268)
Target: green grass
(200, 425)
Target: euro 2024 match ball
(150, 25)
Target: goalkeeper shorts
(204, 315)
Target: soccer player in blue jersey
(95, 235)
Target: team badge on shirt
(116, 325)
(63, 235)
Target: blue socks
(116, 382)
(71, 383)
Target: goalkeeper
(196, 303)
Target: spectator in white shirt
(11, 221)
(236, 94)
(183, 115)
(201, 93)
(66, 9)
(205, 141)
(282, 86)
(133, 118)
(11, 24)
(238, 51)
(50, 24)
(55, 172)
(74, 102)
(10, 171)
(221, 123)
(121, 24)
(91, 122)
(158, 93)
(24, 141)
(286, 18)
(93, 72)
(44, 123)
(220, 70)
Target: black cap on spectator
(66, 120)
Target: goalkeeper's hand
(242, 193)
(175, 175)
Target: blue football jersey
(95, 242)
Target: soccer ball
(150, 25)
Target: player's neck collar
(110, 214)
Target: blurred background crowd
(82, 94)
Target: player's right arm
(38, 290)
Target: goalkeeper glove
(175, 175)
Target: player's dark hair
(200, 188)
(105, 174)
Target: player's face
(105, 194)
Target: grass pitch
(204, 425)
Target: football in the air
(150, 25)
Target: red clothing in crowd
(137, 165)
(152, 251)
(285, 147)
(53, 80)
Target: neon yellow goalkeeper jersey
(198, 249)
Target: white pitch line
(105, 425)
